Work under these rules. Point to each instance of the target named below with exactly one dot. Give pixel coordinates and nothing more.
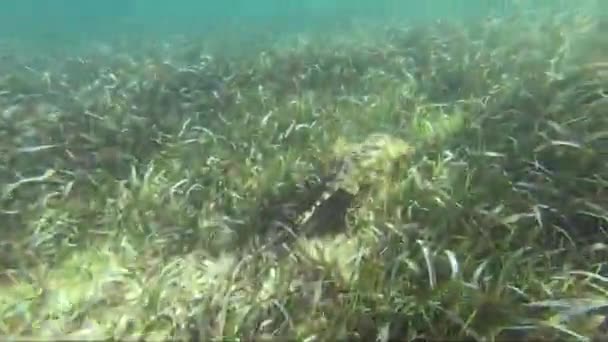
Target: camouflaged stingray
(359, 165)
(320, 208)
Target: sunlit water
(56, 22)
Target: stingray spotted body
(360, 163)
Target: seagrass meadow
(453, 177)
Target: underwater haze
(89, 19)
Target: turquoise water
(86, 19)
